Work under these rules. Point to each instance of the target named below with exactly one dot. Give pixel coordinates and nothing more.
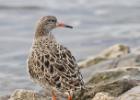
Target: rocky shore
(114, 74)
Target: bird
(50, 64)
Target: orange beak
(63, 25)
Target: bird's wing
(66, 66)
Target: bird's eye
(51, 20)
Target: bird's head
(50, 22)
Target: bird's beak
(63, 25)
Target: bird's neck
(41, 31)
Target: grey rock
(115, 51)
(130, 60)
(133, 94)
(6, 97)
(103, 96)
(114, 81)
(21, 94)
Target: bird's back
(50, 63)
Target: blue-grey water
(98, 24)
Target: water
(98, 24)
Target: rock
(103, 96)
(4, 97)
(130, 60)
(114, 81)
(115, 51)
(90, 61)
(115, 76)
(114, 89)
(21, 94)
(126, 73)
(133, 94)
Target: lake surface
(98, 24)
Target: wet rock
(115, 51)
(103, 96)
(133, 94)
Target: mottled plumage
(51, 64)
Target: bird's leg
(53, 95)
(69, 96)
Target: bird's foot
(53, 97)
